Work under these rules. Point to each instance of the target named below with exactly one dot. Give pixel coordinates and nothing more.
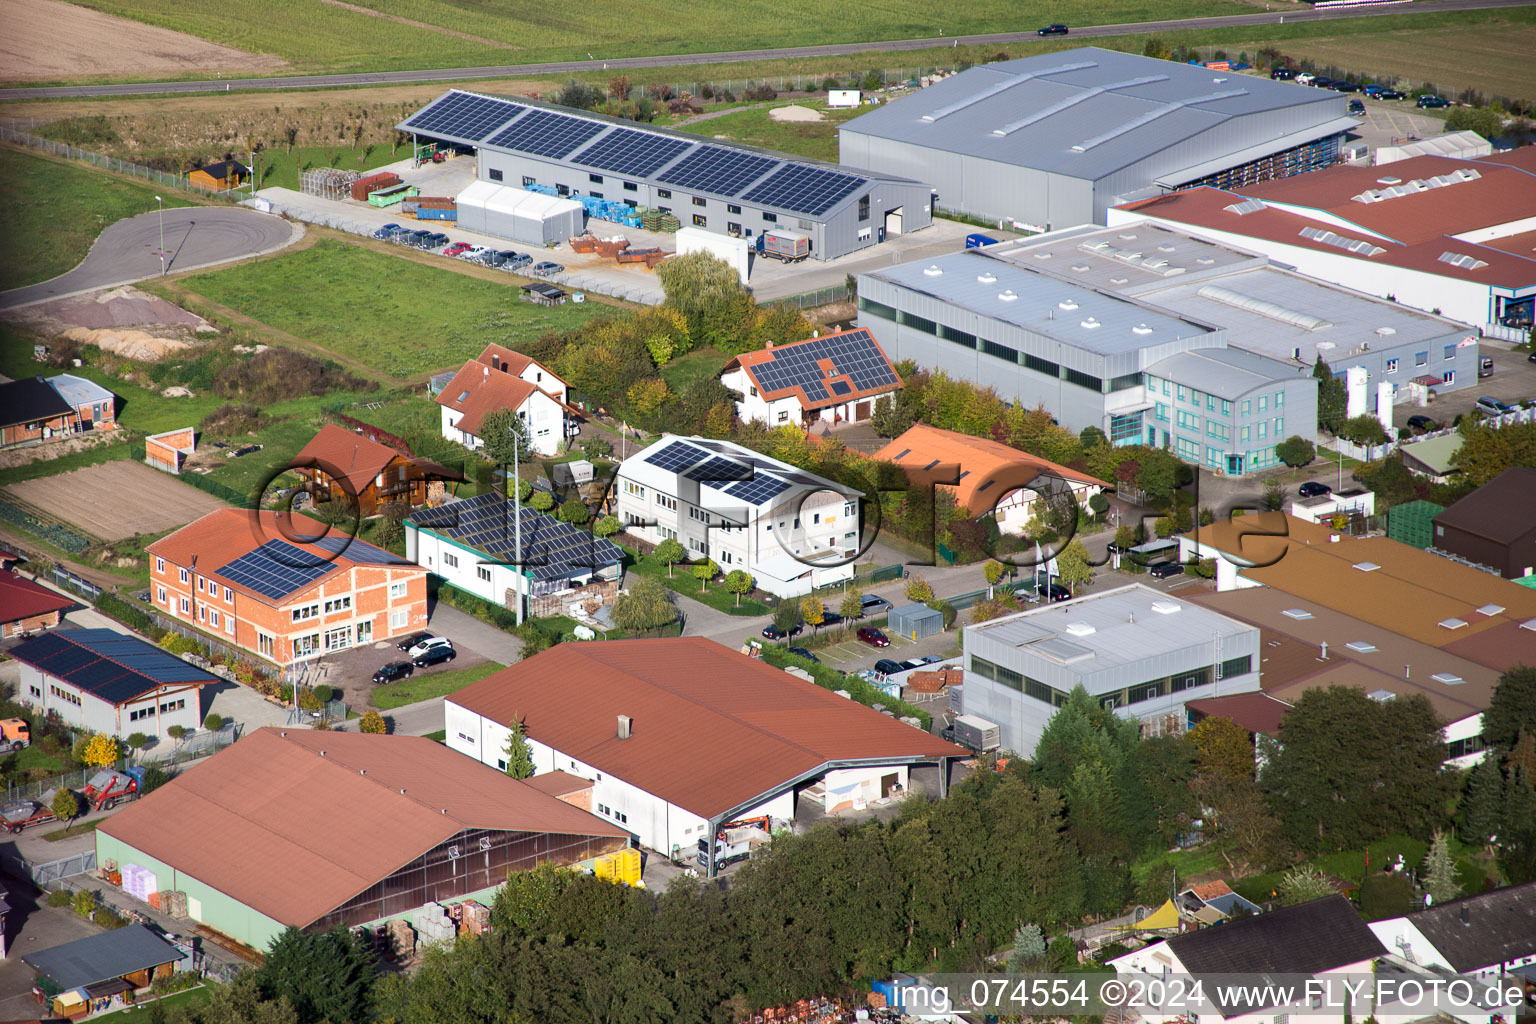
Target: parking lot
(1513, 381)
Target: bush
(84, 902)
(324, 693)
(60, 898)
(944, 608)
(134, 618)
(373, 723)
(214, 722)
(154, 777)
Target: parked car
(1422, 424)
(930, 659)
(1531, 358)
(886, 666)
(1357, 106)
(1312, 489)
(1432, 103)
(870, 604)
(1372, 89)
(1283, 74)
(516, 260)
(1493, 406)
(457, 249)
(1163, 570)
(394, 670)
(434, 656)
(474, 253)
(387, 231)
(1390, 94)
(831, 618)
(1343, 86)
(431, 643)
(1306, 78)
(1053, 591)
(873, 637)
(772, 632)
(1485, 366)
(545, 268)
(1057, 29)
(406, 643)
(1321, 83)
(807, 655)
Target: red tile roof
(750, 361)
(344, 455)
(22, 599)
(1210, 890)
(294, 823)
(499, 357)
(225, 534)
(558, 783)
(477, 390)
(983, 462)
(712, 728)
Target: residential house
(1492, 933)
(473, 545)
(503, 379)
(28, 607)
(103, 971)
(100, 680)
(221, 176)
(1214, 902)
(95, 407)
(989, 477)
(825, 380)
(32, 410)
(287, 589)
(1487, 527)
(339, 464)
(790, 529)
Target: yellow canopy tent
(1165, 916)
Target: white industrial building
(680, 736)
(790, 529)
(1135, 650)
(829, 379)
(1054, 140)
(102, 681)
(1453, 235)
(522, 216)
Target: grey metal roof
(103, 957)
(1224, 372)
(1258, 151)
(1126, 260)
(515, 109)
(1117, 627)
(1044, 305)
(79, 390)
(1084, 113)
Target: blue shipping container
(976, 241)
(428, 213)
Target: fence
(80, 585)
(54, 871)
(109, 163)
(819, 297)
(200, 744)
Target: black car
(1343, 86)
(830, 618)
(1283, 74)
(1422, 424)
(1163, 570)
(394, 670)
(1531, 358)
(887, 666)
(1057, 29)
(1432, 103)
(1356, 107)
(1389, 94)
(807, 655)
(406, 643)
(1321, 83)
(434, 656)
(1053, 591)
(1312, 489)
(772, 632)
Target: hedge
(124, 612)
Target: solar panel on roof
(853, 354)
(840, 387)
(718, 468)
(630, 152)
(463, 115)
(803, 189)
(551, 550)
(675, 456)
(276, 569)
(718, 169)
(546, 133)
(757, 490)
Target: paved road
(195, 236)
(729, 57)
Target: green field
(435, 684)
(55, 210)
(459, 33)
(397, 316)
(814, 139)
(279, 168)
(685, 371)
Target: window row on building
(1150, 690)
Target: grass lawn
(440, 736)
(1187, 862)
(78, 829)
(29, 758)
(814, 139)
(191, 997)
(435, 684)
(56, 209)
(280, 168)
(685, 371)
(685, 583)
(397, 316)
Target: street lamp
(162, 234)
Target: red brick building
(338, 463)
(31, 410)
(27, 607)
(285, 588)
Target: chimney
(1405, 672)
(1325, 651)
(624, 723)
(1465, 915)
(1132, 618)
(768, 345)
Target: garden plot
(114, 500)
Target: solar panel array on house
(853, 354)
(276, 569)
(551, 550)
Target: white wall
(92, 714)
(545, 418)
(1227, 577)
(428, 550)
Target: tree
(154, 777)
(519, 754)
(1487, 123)
(812, 611)
(994, 571)
(1482, 805)
(597, 447)
(1439, 874)
(372, 722)
(327, 976)
(135, 742)
(918, 590)
(1074, 565)
(1512, 709)
(542, 501)
(1302, 884)
(787, 616)
(1273, 498)
(241, 1002)
(1028, 953)
(1222, 749)
(1332, 396)
(709, 293)
(1098, 504)
(66, 805)
(502, 430)
(573, 511)
(704, 572)
(1239, 823)
(1487, 452)
(214, 722)
(852, 604)
(1091, 436)
(607, 526)
(890, 417)
(579, 95)
(739, 582)
(1295, 451)
(1158, 475)
(671, 552)
(176, 732)
(100, 751)
(644, 605)
(1364, 429)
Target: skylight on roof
(1448, 678)
(1465, 262)
(1297, 613)
(1382, 696)
(1491, 609)
(1453, 623)
(1367, 566)
(1080, 629)
(1529, 624)
(1361, 646)
(1166, 607)
(1339, 241)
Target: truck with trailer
(977, 733)
(107, 787)
(779, 244)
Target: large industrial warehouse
(1055, 140)
(721, 187)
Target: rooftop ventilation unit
(1118, 280)
(1382, 696)
(1007, 295)
(1141, 329)
(1080, 629)
(1453, 623)
(986, 277)
(1263, 307)
(1448, 678)
(1361, 647)
(1044, 255)
(1166, 607)
(1385, 332)
(1491, 609)
(1081, 268)
(1366, 566)
(1389, 181)
(1297, 613)
(1091, 323)
(1129, 236)
(932, 270)
(1068, 304)
(1457, 259)
(1165, 247)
